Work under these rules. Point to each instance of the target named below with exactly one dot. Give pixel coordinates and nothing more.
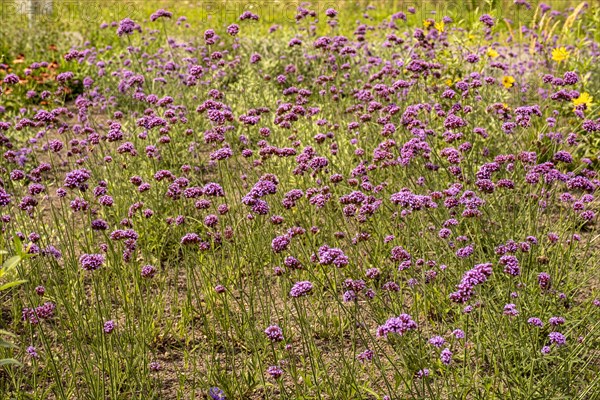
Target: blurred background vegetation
(60, 25)
(80, 20)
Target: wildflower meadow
(300, 200)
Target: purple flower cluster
(398, 325)
(544, 280)
(365, 356)
(127, 26)
(274, 372)
(511, 265)
(328, 256)
(274, 333)
(77, 179)
(109, 326)
(91, 262)
(446, 356)
(557, 338)
(34, 315)
(160, 14)
(148, 271)
(476, 276)
(280, 243)
(437, 341)
(511, 310)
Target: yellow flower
(560, 54)
(584, 98)
(427, 23)
(449, 82)
(492, 53)
(508, 81)
(439, 26)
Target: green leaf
(9, 361)
(6, 345)
(11, 284)
(11, 262)
(18, 245)
(7, 333)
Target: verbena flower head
(34, 315)
(458, 333)
(302, 288)
(557, 338)
(109, 326)
(365, 356)
(422, 373)
(127, 26)
(280, 243)
(248, 15)
(233, 29)
(274, 372)
(511, 265)
(476, 276)
(5, 198)
(216, 394)
(328, 255)
(91, 262)
(148, 271)
(534, 321)
(437, 341)
(274, 333)
(155, 366)
(160, 14)
(446, 356)
(11, 79)
(511, 310)
(487, 20)
(32, 352)
(398, 325)
(220, 289)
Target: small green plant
(8, 281)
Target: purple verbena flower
(91, 262)
(398, 325)
(301, 288)
(160, 14)
(109, 326)
(274, 333)
(446, 356)
(274, 372)
(437, 341)
(557, 338)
